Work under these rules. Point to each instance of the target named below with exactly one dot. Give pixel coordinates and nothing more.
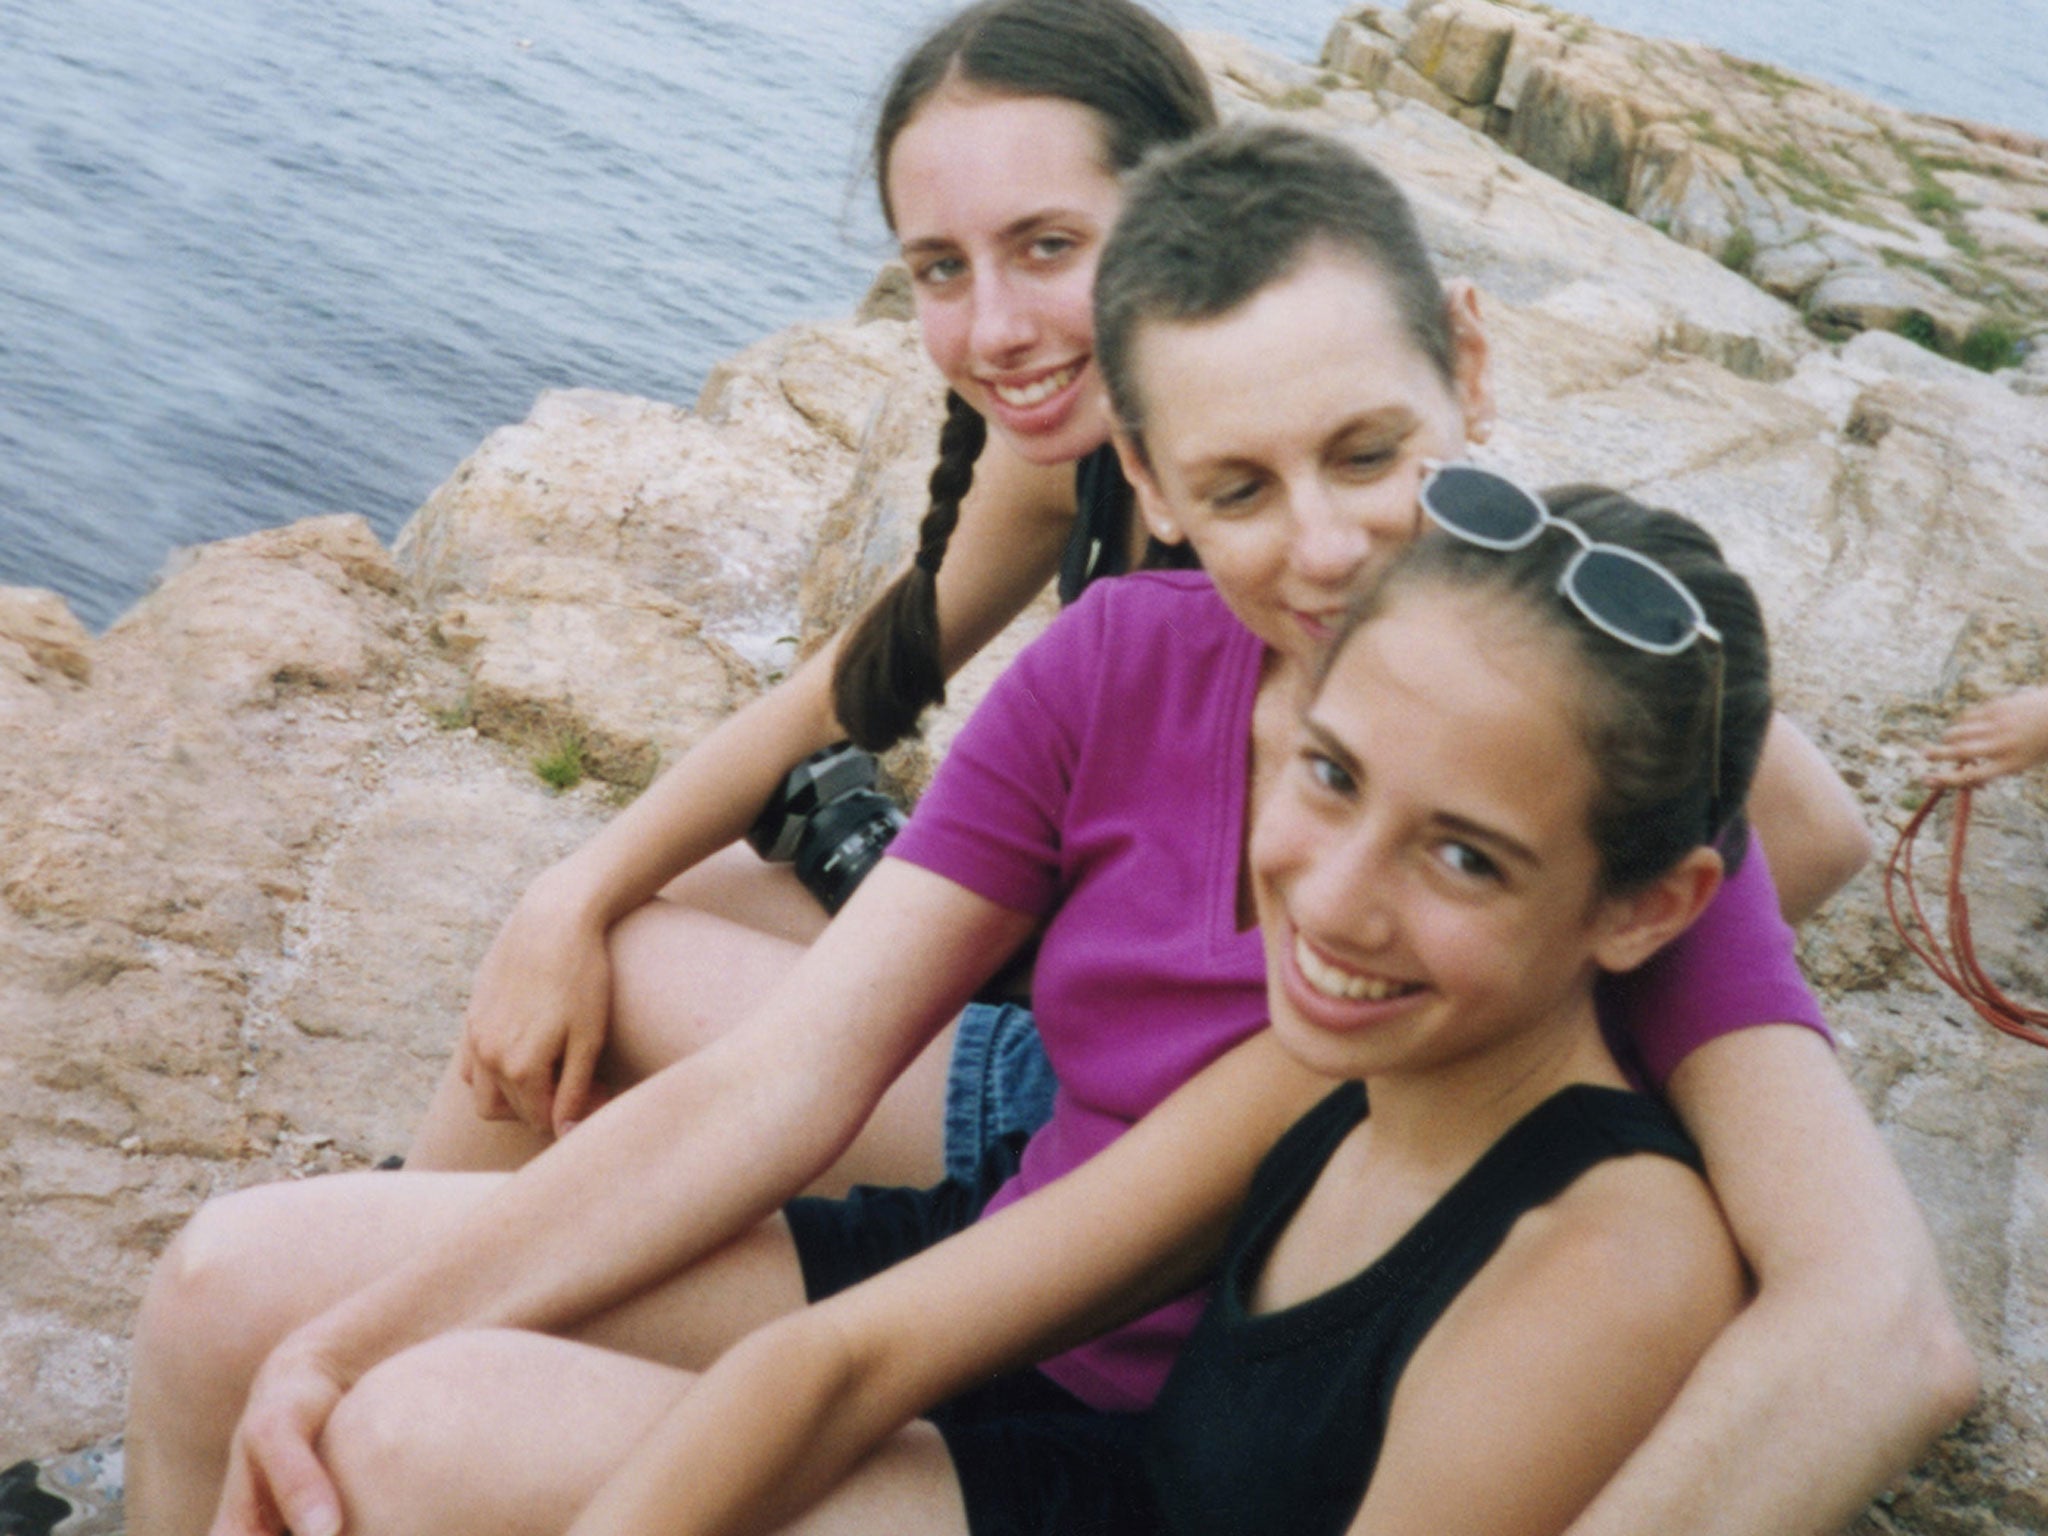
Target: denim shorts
(999, 1084)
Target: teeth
(1346, 985)
(1044, 389)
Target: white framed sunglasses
(1625, 595)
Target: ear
(1471, 359)
(1152, 504)
(1633, 927)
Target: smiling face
(1426, 879)
(1285, 439)
(1001, 206)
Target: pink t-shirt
(1102, 784)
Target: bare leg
(509, 1434)
(686, 968)
(252, 1266)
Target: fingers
(243, 1511)
(530, 1090)
(275, 1484)
(1963, 776)
(1976, 750)
(572, 1100)
(306, 1500)
(504, 1090)
(489, 1099)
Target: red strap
(1960, 970)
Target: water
(1986, 60)
(265, 259)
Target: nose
(1340, 528)
(1004, 322)
(1345, 887)
(1331, 539)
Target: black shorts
(1032, 1459)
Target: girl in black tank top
(1464, 1285)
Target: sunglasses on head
(1621, 593)
(1624, 595)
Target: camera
(829, 821)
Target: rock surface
(255, 837)
(1866, 217)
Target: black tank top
(1274, 1423)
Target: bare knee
(399, 1449)
(489, 1431)
(216, 1302)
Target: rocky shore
(255, 837)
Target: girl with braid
(431, 1352)
(997, 149)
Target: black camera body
(829, 821)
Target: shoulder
(1559, 1356)
(1637, 1237)
(1188, 597)
(1629, 1271)
(1153, 623)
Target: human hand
(275, 1483)
(537, 1016)
(1992, 740)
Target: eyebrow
(1458, 826)
(1394, 417)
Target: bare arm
(674, 1168)
(789, 1411)
(1810, 822)
(540, 1005)
(1848, 1362)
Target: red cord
(1962, 973)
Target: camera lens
(829, 820)
(842, 841)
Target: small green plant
(1776, 81)
(1912, 797)
(1931, 197)
(1812, 185)
(455, 716)
(561, 766)
(1918, 327)
(1987, 168)
(1989, 347)
(1738, 248)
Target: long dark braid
(889, 668)
(1127, 68)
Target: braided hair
(1127, 67)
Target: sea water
(264, 259)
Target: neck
(1438, 1119)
